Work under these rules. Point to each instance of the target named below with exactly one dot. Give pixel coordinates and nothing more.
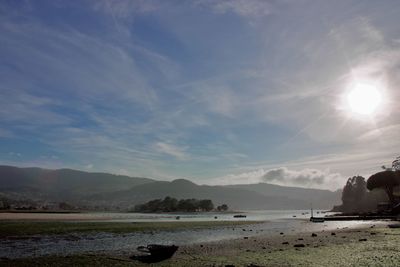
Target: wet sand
(368, 244)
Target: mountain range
(123, 192)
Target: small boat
(317, 219)
(155, 253)
(239, 216)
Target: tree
(169, 204)
(206, 205)
(396, 164)
(386, 180)
(223, 207)
(354, 193)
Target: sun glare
(364, 98)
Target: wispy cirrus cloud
(126, 8)
(197, 89)
(172, 150)
(246, 8)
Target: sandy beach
(368, 244)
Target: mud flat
(370, 243)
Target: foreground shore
(372, 244)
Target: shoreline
(326, 248)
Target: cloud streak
(198, 89)
(172, 150)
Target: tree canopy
(386, 180)
(354, 190)
(170, 204)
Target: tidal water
(274, 222)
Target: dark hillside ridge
(62, 184)
(123, 192)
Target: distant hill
(316, 197)
(63, 184)
(109, 190)
(237, 197)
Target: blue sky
(217, 92)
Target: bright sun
(364, 98)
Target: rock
(362, 239)
(373, 233)
(281, 233)
(313, 235)
(299, 246)
(285, 243)
(333, 234)
(246, 237)
(300, 238)
(264, 248)
(229, 265)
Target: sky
(218, 92)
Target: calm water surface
(274, 222)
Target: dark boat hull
(155, 253)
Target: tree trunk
(389, 192)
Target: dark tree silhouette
(170, 204)
(206, 205)
(223, 207)
(354, 193)
(386, 180)
(396, 164)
